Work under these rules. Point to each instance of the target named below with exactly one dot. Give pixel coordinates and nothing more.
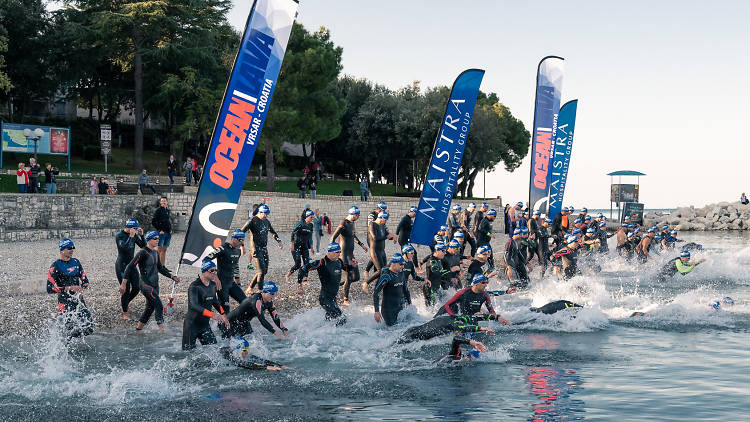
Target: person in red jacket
(22, 177)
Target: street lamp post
(35, 136)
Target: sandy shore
(28, 309)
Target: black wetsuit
(259, 228)
(602, 236)
(568, 258)
(249, 362)
(478, 267)
(436, 274)
(149, 266)
(445, 324)
(455, 353)
(556, 306)
(466, 222)
(125, 252)
(348, 237)
(329, 273)
(449, 261)
(454, 223)
(466, 302)
(252, 307)
(558, 231)
(228, 270)
(478, 217)
(516, 260)
(376, 237)
(395, 294)
(302, 240)
(201, 299)
(403, 231)
(77, 318)
(484, 231)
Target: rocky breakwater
(721, 216)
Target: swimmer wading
(238, 127)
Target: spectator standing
(50, 178)
(312, 186)
(22, 177)
(196, 178)
(34, 170)
(327, 222)
(188, 167)
(103, 186)
(744, 200)
(143, 183)
(163, 224)
(93, 185)
(506, 219)
(306, 170)
(317, 229)
(315, 170)
(171, 168)
(364, 190)
(301, 183)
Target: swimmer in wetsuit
(238, 354)
(565, 260)
(346, 232)
(556, 306)
(329, 271)
(484, 232)
(301, 244)
(377, 234)
(682, 265)
(469, 301)
(201, 298)
(149, 266)
(259, 227)
(126, 240)
(227, 258)
(436, 274)
(392, 283)
(67, 279)
(455, 353)
(254, 307)
(445, 324)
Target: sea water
(681, 361)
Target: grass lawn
(324, 187)
(120, 162)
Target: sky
(661, 85)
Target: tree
(141, 35)
(304, 107)
(5, 84)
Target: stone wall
(721, 216)
(42, 216)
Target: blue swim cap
(453, 244)
(270, 287)
(716, 305)
(685, 254)
(413, 209)
(264, 209)
(397, 258)
(673, 232)
(577, 231)
(443, 228)
(456, 207)
(474, 353)
(238, 234)
(537, 212)
(517, 232)
(485, 205)
(471, 205)
(491, 212)
(637, 230)
(524, 230)
(548, 220)
(382, 205)
(728, 300)
(151, 235)
(309, 213)
(478, 278)
(584, 209)
(406, 249)
(66, 243)
(571, 209)
(458, 235)
(577, 221)
(587, 218)
(131, 223)
(207, 265)
(602, 225)
(625, 225)
(384, 215)
(665, 227)
(630, 235)
(334, 247)
(519, 204)
(239, 343)
(440, 246)
(657, 236)
(571, 239)
(483, 250)
(590, 230)
(353, 211)
(600, 215)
